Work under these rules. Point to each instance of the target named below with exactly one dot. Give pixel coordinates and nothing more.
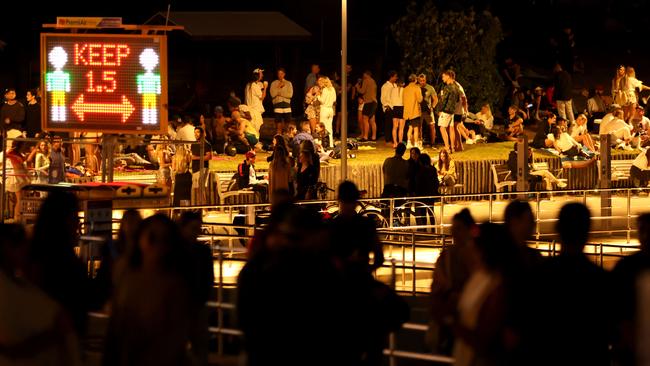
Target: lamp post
(344, 90)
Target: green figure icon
(149, 86)
(57, 82)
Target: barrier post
(413, 259)
(605, 179)
(220, 302)
(4, 175)
(537, 220)
(629, 213)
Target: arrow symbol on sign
(125, 108)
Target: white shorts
(361, 107)
(445, 119)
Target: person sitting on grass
(544, 127)
(580, 133)
(515, 123)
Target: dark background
(202, 73)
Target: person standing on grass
(281, 94)
(368, 89)
(428, 105)
(412, 98)
(391, 100)
(450, 95)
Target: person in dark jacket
(12, 113)
(32, 114)
(541, 141)
(563, 93)
(414, 166)
(426, 185)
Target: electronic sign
(104, 83)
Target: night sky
(607, 33)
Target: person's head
(291, 130)
(599, 90)
(519, 221)
(629, 71)
(320, 127)
(251, 156)
(190, 224)
(199, 133)
(43, 147)
(235, 116)
(348, 195)
(392, 76)
(315, 69)
(557, 67)
(422, 79)
(367, 74)
(640, 111)
(492, 250)
(306, 157)
(424, 160)
(643, 229)
(10, 94)
(561, 123)
(324, 82)
(618, 113)
(281, 73)
(443, 155)
(304, 127)
(573, 226)
(31, 95)
(188, 120)
(485, 109)
(620, 71)
(56, 143)
(160, 247)
(258, 74)
(512, 110)
(413, 78)
(233, 103)
(218, 112)
(127, 233)
(538, 91)
(551, 118)
(400, 150)
(556, 131)
(414, 153)
(463, 227)
(278, 140)
(581, 119)
(58, 217)
(448, 76)
(348, 69)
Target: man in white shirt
(256, 91)
(640, 172)
(618, 128)
(391, 101)
(641, 127)
(186, 131)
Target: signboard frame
(162, 108)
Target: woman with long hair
(313, 105)
(182, 176)
(446, 169)
(42, 161)
(164, 174)
(327, 99)
(307, 172)
(150, 318)
(279, 169)
(633, 87)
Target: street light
(344, 90)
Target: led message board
(104, 83)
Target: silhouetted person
(480, 327)
(354, 237)
(426, 185)
(625, 277)
(395, 171)
(202, 283)
(35, 329)
(520, 224)
(56, 268)
(450, 275)
(150, 313)
(113, 257)
(290, 305)
(572, 303)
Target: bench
(224, 183)
(620, 170)
(543, 165)
(501, 177)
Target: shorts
(428, 119)
(360, 107)
(444, 119)
(282, 117)
(415, 122)
(369, 109)
(458, 118)
(398, 111)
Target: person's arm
(452, 169)
(275, 89)
(287, 91)
(362, 89)
(418, 96)
(20, 116)
(434, 102)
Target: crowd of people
(494, 299)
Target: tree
(464, 41)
